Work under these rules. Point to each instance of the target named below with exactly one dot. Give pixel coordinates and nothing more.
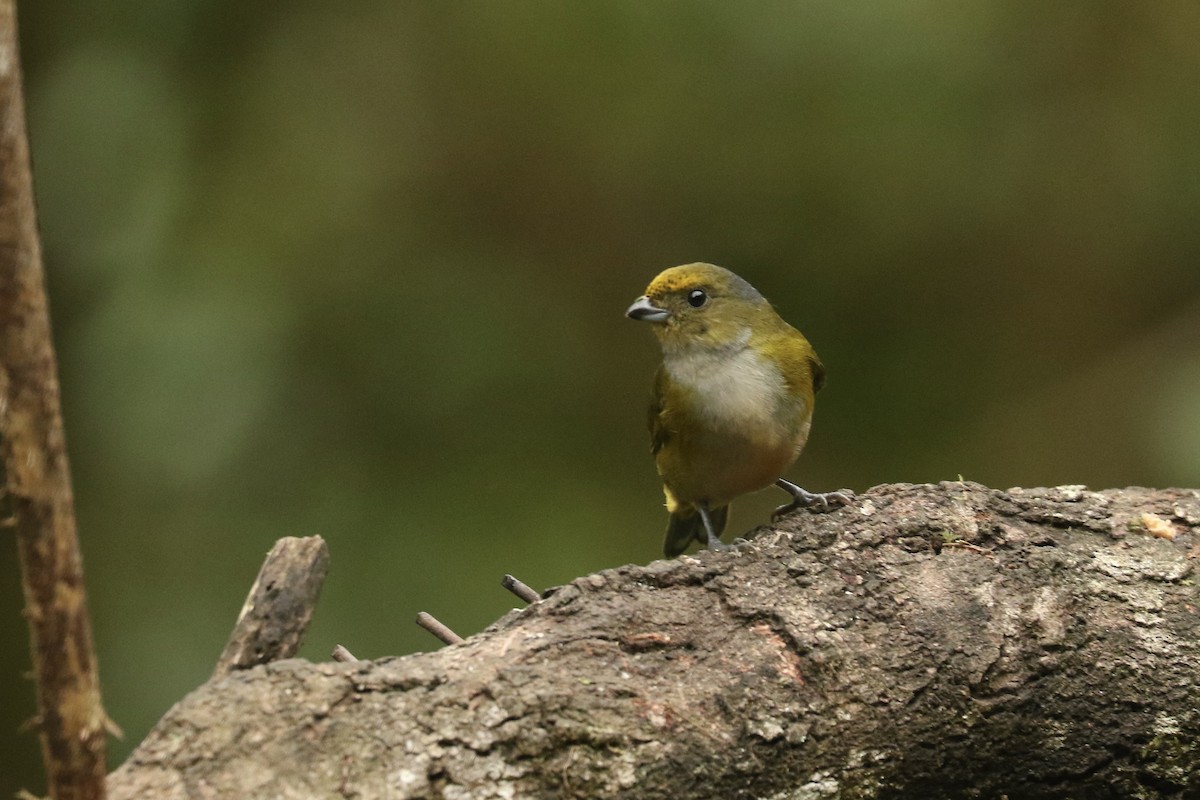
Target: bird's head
(701, 305)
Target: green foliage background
(359, 270)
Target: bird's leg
(714, 541)
(802, 498)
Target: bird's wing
(660, 434)
(818, 372)
(805, 372)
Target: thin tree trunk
(71, 720)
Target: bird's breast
(736, 391)
(737, 425)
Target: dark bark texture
(71, 722)
(927, 641)
(280, 605)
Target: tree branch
(945, 641)
(71, 720)
(280, 605)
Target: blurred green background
(359, 270)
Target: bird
(732, 403)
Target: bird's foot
(802, 498)
(714, 539)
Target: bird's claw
(802, 498)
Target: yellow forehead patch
(711, 277)
(686, 276)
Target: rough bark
(280, 605)
(71, 721)
(926, 641)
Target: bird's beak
(646, 311)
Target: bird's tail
(684, 525)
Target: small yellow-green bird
(733, 399)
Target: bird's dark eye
(697, 298)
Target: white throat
(731, 385)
